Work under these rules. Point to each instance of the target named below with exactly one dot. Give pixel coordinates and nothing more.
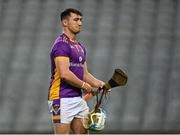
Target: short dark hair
(68, 11)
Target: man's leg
(77, 126)
(60, 128)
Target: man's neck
(71, 35)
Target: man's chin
(76, 32)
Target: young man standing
(69, 77)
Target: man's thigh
(60, 128)
(62, 111)
(68, 110)
(77, 126)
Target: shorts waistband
(71, 96)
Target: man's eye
(77, 19)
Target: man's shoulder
(60, 42)
(61, 39)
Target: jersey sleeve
(61, 49)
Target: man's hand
(101, 84)
(86, 87)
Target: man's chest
(77, 54)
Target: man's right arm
(62, 64)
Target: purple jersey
(65, 48)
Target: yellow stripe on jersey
(65, 39)
(74, 41)
(57, 117)
(55, 88)
(62, 58)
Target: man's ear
(64, 22)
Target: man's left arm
(89, 78)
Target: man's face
(74, 23)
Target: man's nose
(80, 23)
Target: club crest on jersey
(80, 58)
(72, 46)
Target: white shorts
(64, 110)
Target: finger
(106, 91)
(109, 90)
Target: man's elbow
(86, 74)
(64, 75)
